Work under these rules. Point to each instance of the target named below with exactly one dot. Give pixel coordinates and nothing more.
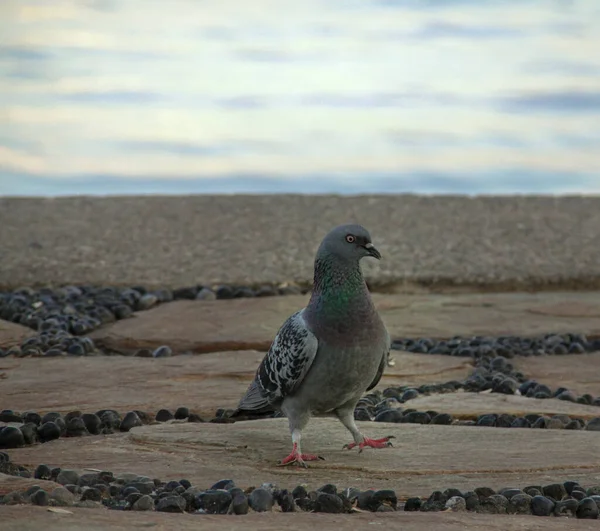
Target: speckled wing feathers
(284, 367)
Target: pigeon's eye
(350, 238)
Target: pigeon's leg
(346, 416)
(297, 421)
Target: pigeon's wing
(381, 368)
(284, 367)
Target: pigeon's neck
(339, 288)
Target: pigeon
(325, 356)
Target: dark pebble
(182, 413)
(520, 422)
(593, 424)
(145, 487)
(329, 488)
(214, 501)
(587, 509)
(42, 472)
(364, 500)
(451, 492)
(412, 504)
(593, 491)
(541, 506)
(471, 501)
(92, 423)
(40, 497)
(33, 417)
(329, 503)
(362, 413)
(91, 494)
(487, 420)
(261, 500)
(566, 507)
(556, 491)
(510, 492)
(519, 504)
(416, 417)
(435, 502)
(88, 479)
(171, 486)
(223, 484)
(533, 490)
(508, 386)
(494, 504)
(128, 491)
(130, 420)
(299, 492)
(409, 394)
(9, 416)
(570, 485)
(573, 425)
(110, 419)
(484, 492)
(240, 504)
(133, 497)
(387, 497)
(76, 427)
(443, 419)
(185, 483)
(185, 293)
(11, 437)
(285, 500)
(163, 351)
(29, 432)
(388, 415)
(171, 504)
(195, 418)
(163, 415)
(48, 431)
(67, 476)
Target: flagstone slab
(13, 334)
(251, 323)
(202, 383)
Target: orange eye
(350, 238)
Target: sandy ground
(426, 241)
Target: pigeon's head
(350, 242)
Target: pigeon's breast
(341, 373)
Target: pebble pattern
(132, 492)
(504, 346)
(63, 316)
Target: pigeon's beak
(372, 251)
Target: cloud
(24, 53)
(571, 101)
(116, 97)
(443, 30)
(566, 68)
(185, 149)
(243, 102)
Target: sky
(320, 96)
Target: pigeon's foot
(371, 443)
(298, 459)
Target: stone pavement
(426, 241)
(227, 334)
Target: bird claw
(299, 459)
(371, 443)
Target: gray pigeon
(328, 354)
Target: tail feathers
(253, 403)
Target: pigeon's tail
(253, 403)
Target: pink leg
(299, 459)
(371, 443)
